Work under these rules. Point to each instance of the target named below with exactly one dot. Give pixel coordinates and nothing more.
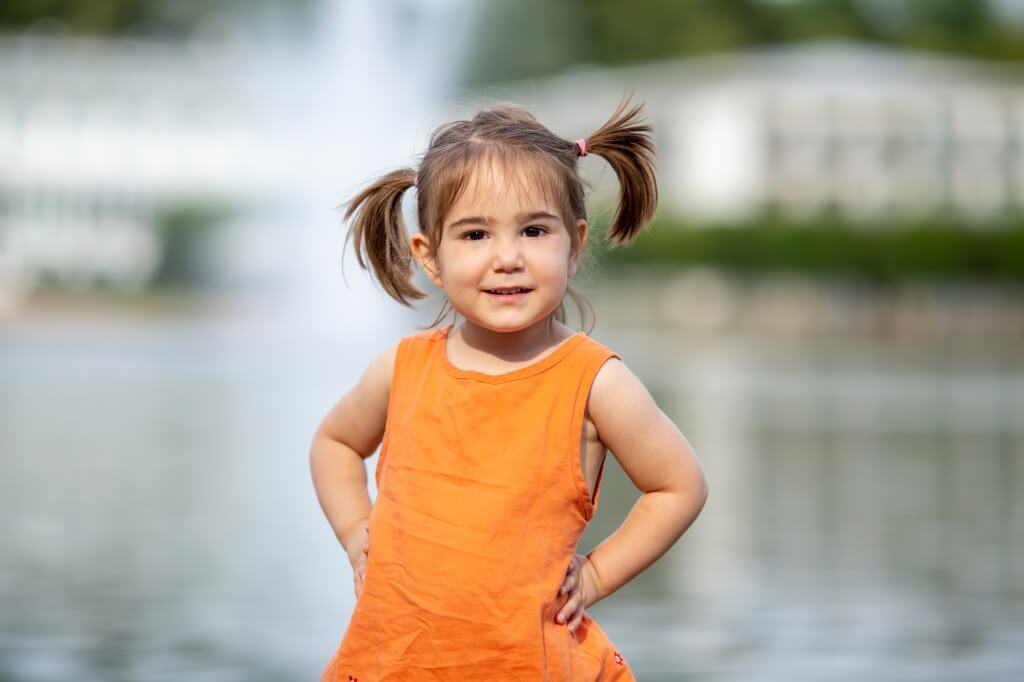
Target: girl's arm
(659, 461)
(349, 434)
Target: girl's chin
(503, 326)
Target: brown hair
(507, 134)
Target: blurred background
(830, 306)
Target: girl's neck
(519, 346)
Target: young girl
(493, 432)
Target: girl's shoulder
(421, 339)
(597, 345)
(415, 345)
(425, 335)
(596, 350)
(380, 374)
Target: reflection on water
(158, 522)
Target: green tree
(165, 18)
(523, 38)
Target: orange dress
(481, 502)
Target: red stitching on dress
(618, 658)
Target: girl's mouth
(508, 294)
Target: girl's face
(502, 234)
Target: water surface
(158, 522)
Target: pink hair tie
(582, 144)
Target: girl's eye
(473, 235)
(535, 230)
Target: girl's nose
(507, 255)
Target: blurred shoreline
(698, 301)
(709, 302)
(156, 304)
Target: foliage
(927, 249)
(185, 228)
(523, 38)
(164, 18)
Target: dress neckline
(549, 360)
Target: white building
(97, 136)
(871, 132)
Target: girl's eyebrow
(487, 220)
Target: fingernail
(560, 619)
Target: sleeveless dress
(481, 502)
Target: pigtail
(380, 235)
(628, 147)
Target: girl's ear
(426, 257)
(574, 259)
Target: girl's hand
(360, 550)
(580, 586)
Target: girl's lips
(507, 298)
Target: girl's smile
(509, 295)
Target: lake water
(158, 522)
